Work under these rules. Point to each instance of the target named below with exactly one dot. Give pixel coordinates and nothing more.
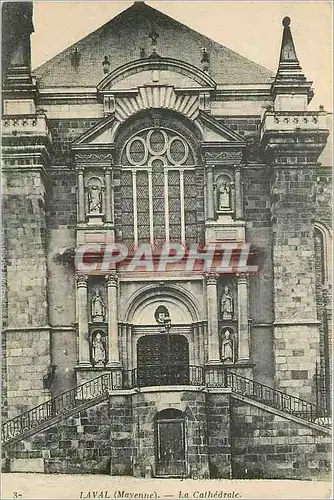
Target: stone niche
(94, 200)
(228, 325)
(98, 328)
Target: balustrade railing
(33, 124)
(167, 375)
(292, 120)
(272, 397)
(164, 375)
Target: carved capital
(80, 169)
(107, 170)
(81, 280)
(238, 167)
(211, 278)
(242, 278)
(112, 280)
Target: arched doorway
(170, 436)
(162, 359)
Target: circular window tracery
(157, 147)
(136, 151)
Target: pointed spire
(288, 51)
(290, 78)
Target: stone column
(108, 197)
(113, 343)
(81, 195)
(212, 310)
(238, 194)
(243, 326)
(210, 202)
(82, 307)
(202, 327)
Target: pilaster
(112, 290)
(83, 329)
(243, 319)
(211, 281)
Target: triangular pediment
(214, 131)
(100, 134)
(124, 39)
(103, 133)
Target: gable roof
(121, 39)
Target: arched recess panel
(323, 370)
(160, 193)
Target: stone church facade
(142, 133)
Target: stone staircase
(95, 391)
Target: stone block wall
(256, 194)
(121, 432)
(28, 359)
(76, 445)
(27, 330)
(145, 406)
(296, 329)
(61, 221)
(225, 438)
(219, 435)
(265, 445)
(322, 179)
(64, 131)
(24, 199)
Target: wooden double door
(162, 359)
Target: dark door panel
(171, 448)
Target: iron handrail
(277, 399)
(169, 374)
(59, 405)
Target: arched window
(323, 250)
(158, 188)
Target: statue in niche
(162, 318)
(227, 304)
(227, 346)
(95, 199)
(224, 197)
(98, 350)
(98, 307)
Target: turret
(291, 91)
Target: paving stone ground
(63, 486)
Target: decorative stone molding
(93, 157)
(163, 97)
(164, 63)
(222, 155)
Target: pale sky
(251, 28)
